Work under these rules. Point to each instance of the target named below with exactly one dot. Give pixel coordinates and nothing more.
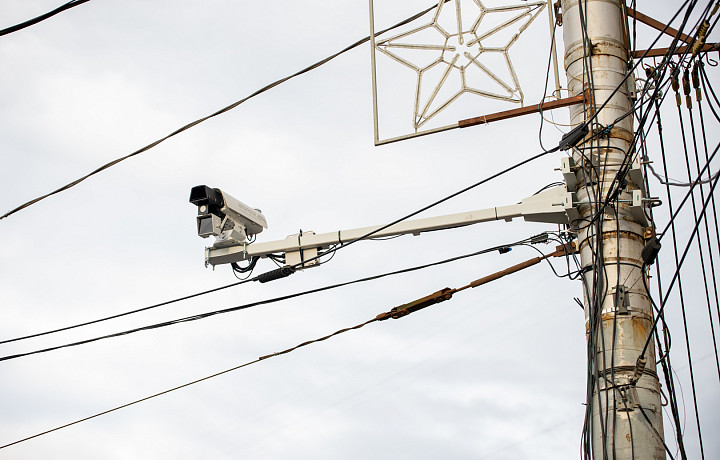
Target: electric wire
(665, 363)
(260, 302)
(673, 400)
(42, 17)
(397, 312)
(430, 206)
(330, 251)
(714, 211)
(597, 248)
(699, 181)
(708, 241)
(215, 114)
(614, 203)
(668, 291)
(120, 315)
(674, 215)
(185, 385)
(547, 79)
(697, 240)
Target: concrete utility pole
(624, 420)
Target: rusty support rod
(657, 25)
(447, 293)
(483, 119)
(559, 252)
(659, 52)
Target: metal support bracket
(567, 166)
(554, 205)
(621, 300)
(628, 399)
(635, 174)
(637, 209)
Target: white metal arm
(554, 205)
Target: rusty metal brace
(447, 293)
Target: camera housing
(229, 220)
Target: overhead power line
(42, 17)
(127, 313)
(394, 313)
(535, 239)
(215, 114)
(289, 269)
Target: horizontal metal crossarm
(657, 25)
(447, 293)
(550, 206)
(659, 52)
(497, 116)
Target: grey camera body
(226, 218)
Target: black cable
(655, 431)
(666, 362)
(688, 194)
(547, 79)
(219, 112)
(709, 244)
(330, 251)
(630, 71)
(262, 358)
(709, 90)
(682, 260)
(120, 315)
(597, 288)
(42, 17)
(261, 302)
(431, 205)
(714, 210)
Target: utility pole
(624, 411)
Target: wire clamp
(628, 399)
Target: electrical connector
(650, 251)
(573, 137)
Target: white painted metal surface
(552, 206)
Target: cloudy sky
(497, 372)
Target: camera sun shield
(203, 195)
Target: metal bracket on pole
(567, 165)
(628, 399)
(636, 174)
(637, 208)
(554, 205)
(621, 300)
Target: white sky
(496, 373)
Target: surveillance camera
(226, 218)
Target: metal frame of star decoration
(456, 54)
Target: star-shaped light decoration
(457, 63)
